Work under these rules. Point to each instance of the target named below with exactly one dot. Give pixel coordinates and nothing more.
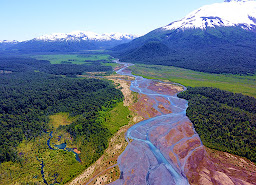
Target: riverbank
(105, 170)
(228, 82)
(177, 142)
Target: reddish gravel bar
(159, 147)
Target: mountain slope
(230, 13)
(7, 43)
(209, 39)
(74, 41)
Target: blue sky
(26, 19)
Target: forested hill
(214, 39)
(213, 50)
(225, 121)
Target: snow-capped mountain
(217, 38)
(8, 41)
(86, 36)
(241, 13)
(72, 42)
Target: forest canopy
(27, 98)
(21, 64)
(224, 121)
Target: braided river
(158, 147)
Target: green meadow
(59, 166)
(233, 83)
(73, 58)
(115, 118)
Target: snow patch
(230, 13)
(8, 41)
(85, 35)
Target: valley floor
(105, 169)
(233, 83)
(205, 166)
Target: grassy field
(111, 64)
(234, 83)
(58, 119)
(60, 166)
(72, 58)
(115, 118)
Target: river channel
(62, 146)
(159, 147)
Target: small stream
(145, 154)
(61, 146)
(42, 171)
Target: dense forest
(18, 64)
(27, 98)
(225, 121)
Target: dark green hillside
(5, 45)
(224, 121)
(214, 50)
(150, 50)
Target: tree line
(18, 64)
(224, 121)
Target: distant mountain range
(85, 36)
(8, 41)
(218, 38)
(66, 42)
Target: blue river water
(147, 157)
(61, 146)
(160, 170)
